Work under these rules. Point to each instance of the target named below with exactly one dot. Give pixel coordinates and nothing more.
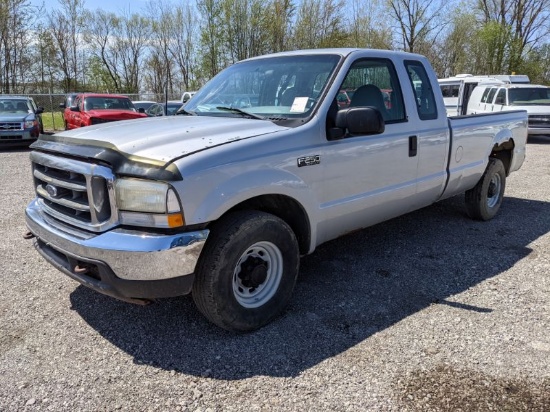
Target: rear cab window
(422, 89)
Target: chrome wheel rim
(257, 274)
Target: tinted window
(501, 97)
(103, 103)
(450, 90)
(422, 89)
(484, 95)
(529, 96)
(492, 93)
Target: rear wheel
(484, 200)
(247, 270)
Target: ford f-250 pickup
(259, 168)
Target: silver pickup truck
(274, 156)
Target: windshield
(529, 96)
(106, 103)
(14, 106)
(276, 88)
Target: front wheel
(247, 271)
(484, 200)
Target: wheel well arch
(503, 152)
(285, 208)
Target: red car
(96, 108)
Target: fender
(242, 187)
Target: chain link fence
(53, 119)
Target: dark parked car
(20, 120)
(143, 104)
(160, 109)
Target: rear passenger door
(430, 130)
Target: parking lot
(429, 311)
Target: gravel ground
(427, 312)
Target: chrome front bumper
(122, 256)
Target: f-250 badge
(309, 160)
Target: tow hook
(80, 270)
(28, 235)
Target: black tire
(484, 200)
(247, 270)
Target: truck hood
(166, 138)
(532, 109)
(148, 147)
(14, 117)
(113, 114)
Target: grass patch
(53, 121)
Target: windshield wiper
(181, 110)
(240, 111)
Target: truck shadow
(347, 290)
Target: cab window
(485, 95)
(374, 83)
(501, 97)
(492, 93)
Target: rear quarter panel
(474, 137)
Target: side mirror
(74, 109)
(360, 121)
(62, 105)
(39, 110)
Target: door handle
(413, 146)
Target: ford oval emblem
(52, 190)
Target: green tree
(320, 23)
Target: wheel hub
(253, 272)
(492, 189)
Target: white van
(457, 90)
(531, 97)
(186, 96)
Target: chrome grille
(78, 193)
(11, 126)
(539, 120)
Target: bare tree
(66, 25)
(416, 21)
(102, 30)
(130, 45)
(184, 30)
(15, 17)
(213, 58)
(517, 25)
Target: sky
(115, 6)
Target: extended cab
(95, 108)
(260, 167)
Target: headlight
(29, 123)
(148, 203)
